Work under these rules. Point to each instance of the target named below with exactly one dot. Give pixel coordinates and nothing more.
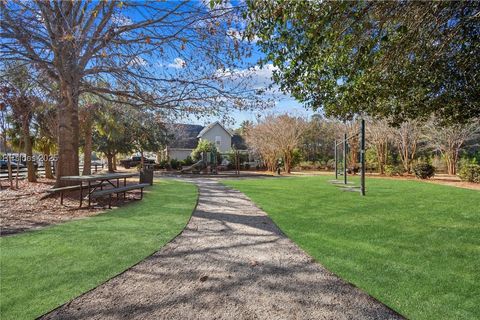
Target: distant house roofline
(210, 126)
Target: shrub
(175, 164)
(296, 158)
(203, 146)
(188, 161)
(329, 164)
(470, 172)
(306, 165)
(354, 169)
(391, 170)
(424, 170)
(162, 164)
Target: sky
(182, 62)
(284, 103)
(260, 77)
(186, 60)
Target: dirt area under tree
(30, 207)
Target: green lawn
(41, 270)
(414, 246)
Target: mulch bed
(30, 207)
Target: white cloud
(259, 77)
(137, 61)
(236, 34)
(226, 4)
(121, 20)
(178, 63)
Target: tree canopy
(169, 55)
(401, 60)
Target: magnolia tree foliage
(168, 55)
(399, 60)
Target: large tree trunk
(31, 176)
(68, 133)
(110, 162)
(115, 162)
(87, 152)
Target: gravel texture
(230, 262)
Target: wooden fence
(22, 172)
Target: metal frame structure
(344, 142)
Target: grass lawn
(414, 246)
(43, 269)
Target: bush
(391, 170)
(203, 146)
(470, 172)
(162, 164)
(424, 170)
(354, 169)
(296, 158)
(175, 164)
(306, 165)
(188, 161)
(329, 164)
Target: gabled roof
(183, 135)
(210, 126)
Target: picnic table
(95, 181)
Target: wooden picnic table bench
(73, 188)
(99, 180)
(124, 189)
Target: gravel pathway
(230, 262)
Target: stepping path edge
(350, 302)
(132, 266)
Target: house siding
(217, 131)
(179, 154)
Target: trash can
(146, 175)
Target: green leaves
(388, 59)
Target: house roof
(210, 126)
(183, 135)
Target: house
(185, 137)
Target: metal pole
(345, 158)
(336, 169)
(362, 157)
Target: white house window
(218, 140)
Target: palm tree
(46, 141)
